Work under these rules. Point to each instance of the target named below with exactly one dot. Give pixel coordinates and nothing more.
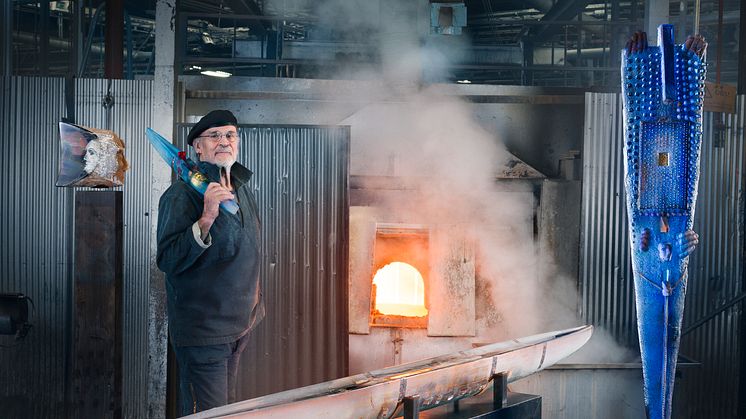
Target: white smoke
(407, 129)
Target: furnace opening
(400, 290)
(399, 296)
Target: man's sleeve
(197, 232)
(178, 247)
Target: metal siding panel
(717, 276)
(34, 258)
(714, 271)
(607, 301)
(128, 117)
(300, 182)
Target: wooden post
(97, 333)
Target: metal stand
(500, 390)
(501, 406)
(412, 407)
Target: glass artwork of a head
(90, 157)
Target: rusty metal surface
(362, 240)
(435, 381)
(715, 269)
(300, 182)
(453, 265)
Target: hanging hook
(108, 101)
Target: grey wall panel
(716, 270)
(34, 253)
(129, 115)
(300, 181)
(606, 278)
(38, 220)
(606, 282)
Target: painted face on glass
(665, 252)
(101, 157)
(218, 146)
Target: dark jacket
(214, 294)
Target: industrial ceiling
(531, 42)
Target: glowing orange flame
(400, 290)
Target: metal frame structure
(534, 42)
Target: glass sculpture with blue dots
(663, 91)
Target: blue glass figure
(663, 90)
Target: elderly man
(211, 261)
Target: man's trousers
(207, 375)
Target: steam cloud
(418, 133)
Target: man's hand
(687, 242)
(638, 42)
(214, 195)
(696, 43)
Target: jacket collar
(239, 173)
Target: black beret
(217, 118)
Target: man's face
(218, 146)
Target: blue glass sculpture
(663, 92)
(184, 167)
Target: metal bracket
(500, 390)
(411, 407)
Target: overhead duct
(30, 38)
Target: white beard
(225, 164)
(224, 161)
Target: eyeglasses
(231, 136)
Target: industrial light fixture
(207, 39)
(216, 73)
(60, 6)
(463, 81)
(14, 315)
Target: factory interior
(448, 195)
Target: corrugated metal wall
(607, 292)
(300, 181)
(716, 272)
(129, 115)
(34, 255)
(607, 297)
(37, 237)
